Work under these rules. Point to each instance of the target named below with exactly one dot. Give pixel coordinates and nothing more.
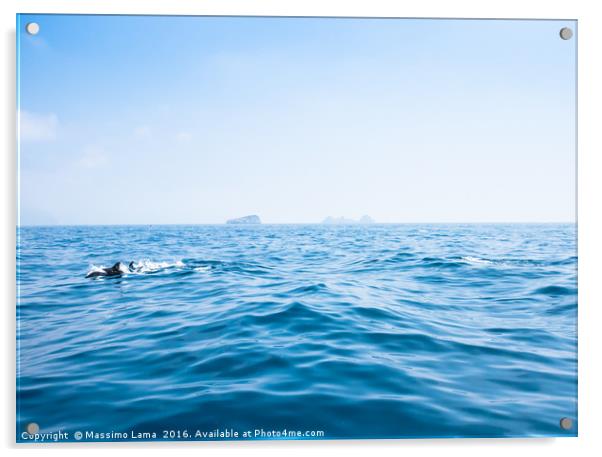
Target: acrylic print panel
(295, 228)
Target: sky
(186, 120)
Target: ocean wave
(555, 290)
(476, 260)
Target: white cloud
(143, 131)
(37, 127)
(93, 157)
(184, 137)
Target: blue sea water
(376, 331)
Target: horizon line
(294, 223)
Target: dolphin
(115, 270)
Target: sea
(297, 331)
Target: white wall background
(589, 216)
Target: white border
(589, 194)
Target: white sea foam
(476, 260)
(148, 266)
(140, 267)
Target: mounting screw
(566, 33)
(566, 423)
(32, 28)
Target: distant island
(344, 221)
(252, 219)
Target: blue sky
(142, 119)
